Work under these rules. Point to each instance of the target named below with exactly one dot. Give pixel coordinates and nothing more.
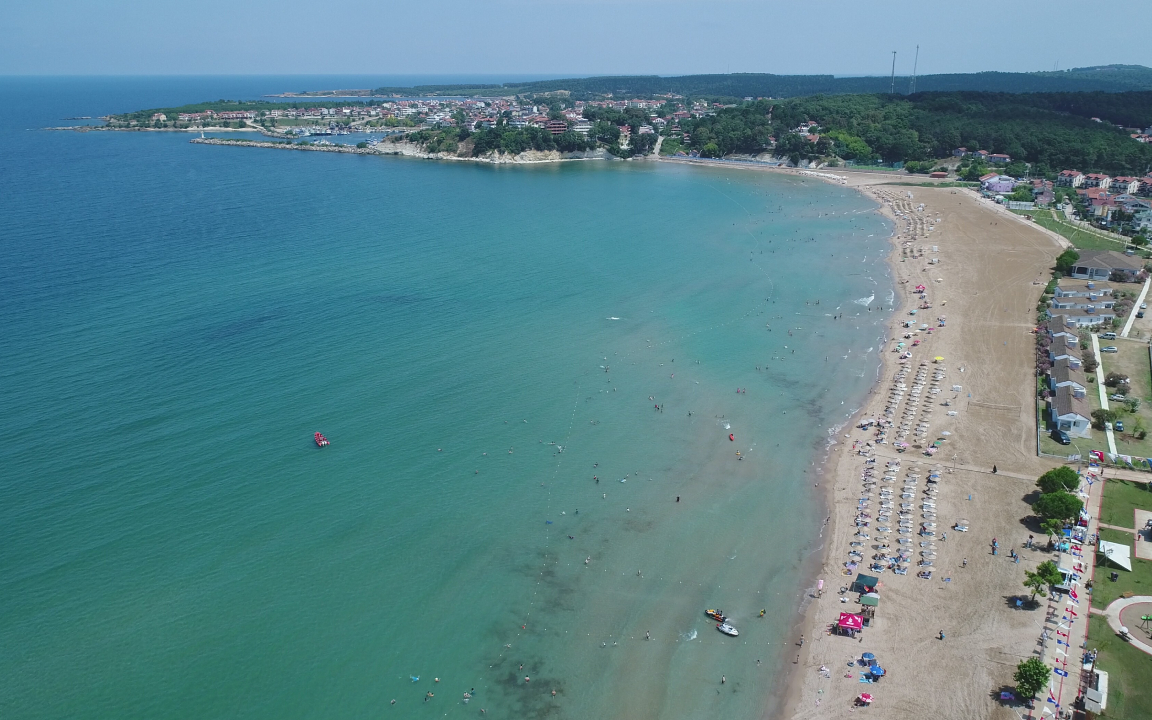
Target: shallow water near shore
(485, 348)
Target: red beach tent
(850, 621)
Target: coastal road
(1103, 393)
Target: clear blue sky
(564, 37)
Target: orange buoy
(732, 437)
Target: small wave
(613, 318)
(688, 636)
(866, 301)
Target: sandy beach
(990, 273)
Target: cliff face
(530, 156)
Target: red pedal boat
(321, 441)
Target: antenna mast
(912, 84)
(892, 85)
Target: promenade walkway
(1135, 309)
(1103, 395)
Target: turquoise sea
(484, 347)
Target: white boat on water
(727, 629)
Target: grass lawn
(1079, 237)
(1129, 673)
(1131, 360)
(1138, 582)
(1121, 497)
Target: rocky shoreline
(409, 149)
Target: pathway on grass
(1135, 308)
(1126, 612)
(1103, 393)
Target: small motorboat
(727, 629)
(321, 441)
(717, 615)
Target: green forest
(1052, 131)
(1107, 78)
(503, 139)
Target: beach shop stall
(849, 624)
(868, 604)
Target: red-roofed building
(1099, 180)
(960, 152)
(1000, 158)
(1125, 184)
(1070, 178)
(556, 126)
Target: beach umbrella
(878, 671)
(865, 698)
(868, 656)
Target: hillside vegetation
(1106, 78)
(1053, 131)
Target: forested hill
(1106, 78)
(1054, 131)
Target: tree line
(1050, 131)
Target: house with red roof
(1125, 184)
(1070, 178)
(1099, 180)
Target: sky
(562, 37)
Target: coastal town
(987, 545)
(672, 126)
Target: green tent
(870, 599)
(865, 583)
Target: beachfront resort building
(1060, 333)
(1087, 317)
(1069, 412)
(994, 183)
(1109, 265)
(1059, 351)
(1062, 374)
(1072, 294)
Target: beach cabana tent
(851, 621)
(865, 583)
(1116, 553)
(870, 599)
